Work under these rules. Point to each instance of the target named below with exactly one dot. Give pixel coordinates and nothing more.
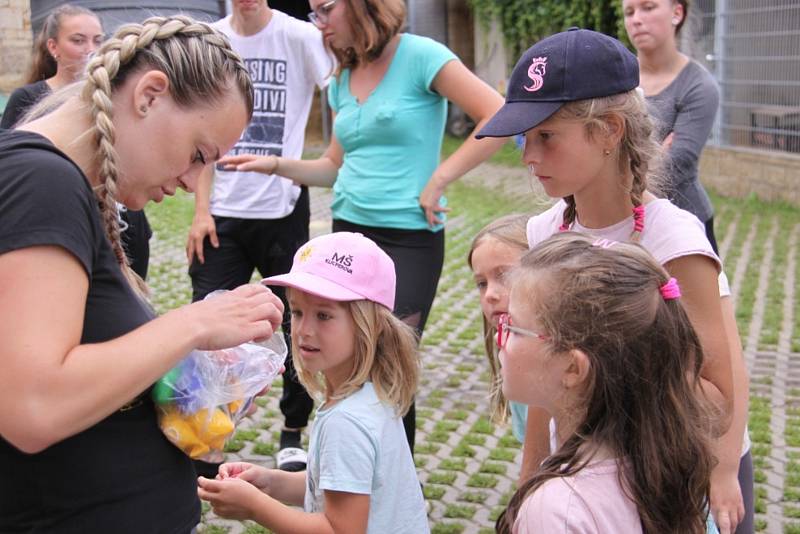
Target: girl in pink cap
(361, 362)
(597, 335)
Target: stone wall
(738, 172)
(15, 42)
(491, 57)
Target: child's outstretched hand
(249, 162)
(231, 498)
(258, 476)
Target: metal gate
(753, 49)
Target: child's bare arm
(289, 488)
(233, 498)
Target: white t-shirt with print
(285, 60)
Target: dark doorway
(296, 8)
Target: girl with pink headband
(597, 335)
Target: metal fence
(753, 49)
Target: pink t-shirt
(669, 232)
(592, 501)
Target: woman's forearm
(470, 154)
(319, 172)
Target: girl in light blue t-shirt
(361, 361)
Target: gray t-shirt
(686, 107)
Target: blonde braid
(131, 46)
(570, 213)
(638, 186)
(97, 91)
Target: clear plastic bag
(202, 399)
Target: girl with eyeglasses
(597, 335)
(389, 100)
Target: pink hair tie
(670, 290)
(563, 228)
(638, 218)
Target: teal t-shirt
(391, 141)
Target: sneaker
(292, 459)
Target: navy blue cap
(572, 65)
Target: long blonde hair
(637, 152)
(200, 66)
(511, 231)
(385, 354)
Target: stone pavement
(469, 465)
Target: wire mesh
(753, 49)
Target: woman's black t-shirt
(21, 101)
(121, 475)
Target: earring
(606, 152)
(143, 108)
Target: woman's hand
(429, 201)
(202, 225)
(666, 144)
(250, 162)
(249, 312)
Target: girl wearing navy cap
(683, 97)
(589, 143)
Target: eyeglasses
(320, 16)
(504, 329)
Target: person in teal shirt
(389, 100)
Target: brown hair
(200, 66)
(641, 397)
(385, 354)
(44, 65)
(373, 24)
(638, 152)
(509, 230)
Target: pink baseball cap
(341, 266)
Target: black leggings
(710, 235)
(418, 257)
(747, 526)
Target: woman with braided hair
(80, 449)
(69, 36)
(588, 141)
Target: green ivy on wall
(524, 22)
